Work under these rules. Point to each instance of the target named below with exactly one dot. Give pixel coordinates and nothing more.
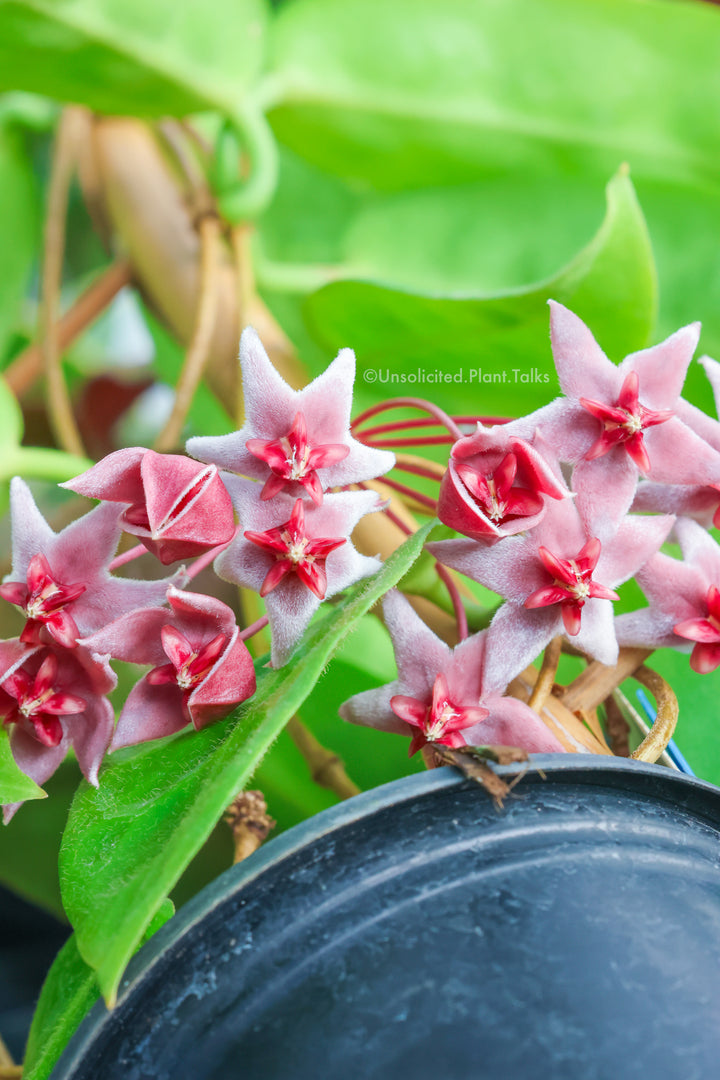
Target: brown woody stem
(666, 704)
(64, 160)
(249, 821)
(546, 676)
(27, 367)
(326, 768)
(598, 680)
(199, 347)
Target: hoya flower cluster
(554, 511)
(291, 545)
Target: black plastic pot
(417, 931)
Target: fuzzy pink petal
(699, 503)
(231, 680)
(662, 368)
(116, 478)
(134, 637)
(31, 533)
(510, 568)
(90, 733)
(512, 723)
(371, 708)
(605, 489)
(516, 637)
(583, 368)
(637, 539)
(699, 549)
(679, 456)
(150, 712)
(185, 501)
(596, 636)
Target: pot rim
(675, 786)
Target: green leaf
(15, 786)
(417, 93)
(69, 992)
(484, 351)
(130, 56)
(127, 843)
(19, 223)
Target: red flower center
(188, 667)
(38, 703)
(494, 492)
(43, 600)
(572, 584)
(705, 632)
(441, 721)
(624, 423)
(295, 553)
(293, 460)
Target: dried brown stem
(8, 1069)
(326, 768)
(65, 155)
(618, 728)
(666, 704)
(546, 676)
(27, 367)
(598, 680)
(249, 821)
(199, 348)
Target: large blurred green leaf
(495, 349)
(127, 843)
(416, 93)
(133, 56)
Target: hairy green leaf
(69, 992)
(127, 843)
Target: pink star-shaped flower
(53, 698)
(201, 668)
(700, 502)
(497, 484)
(448, 696)
(684, 598)
(293, 555)
(295, 441)
(176, 508)
(618, 421)
(60, 581)
(559, 577)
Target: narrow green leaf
(130, 56)
(416, 93)
(15, 786)
(69, 992)
(487, 351)
(127, 843)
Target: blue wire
(674, 754)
